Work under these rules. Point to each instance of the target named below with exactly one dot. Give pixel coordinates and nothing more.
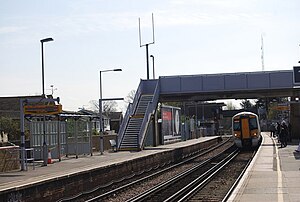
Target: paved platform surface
(273, 175)
(68, 166)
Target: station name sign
(42, 109)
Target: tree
(246, 104)
(269, 106)
(107, 107)
(94, 105)
(130, 97)
(230, 106)
(7, 125)
(173, 104)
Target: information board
(42, 109)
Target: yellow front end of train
(246, 129)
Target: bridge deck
(227, 86)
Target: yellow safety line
(279, 177)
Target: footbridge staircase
(194, 88)
(138, 116)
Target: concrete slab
(294, 197)
(264, 190)
(272, 176)
(269, 180)
(262, 197)
(263, 174)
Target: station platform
(72, 176)
(273, 175)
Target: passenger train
(246, 130)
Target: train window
(236, 125)
(252, 123)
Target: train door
(246, 133)
(245, 128)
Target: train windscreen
(236, 125)
(253, 123)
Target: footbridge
(201, 87)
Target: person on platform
(290, 132)
(278, 129)
(298, 149)
(283, 134)
(273, 130)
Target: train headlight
(235, 135)
(255, 134)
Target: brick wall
(66, 186)
(106, 144)
(9, 158)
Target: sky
(191, 37)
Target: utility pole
(262, 53)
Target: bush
(95, 132)
(7, 125)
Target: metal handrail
(137, 97)
(151, 108)
(129, 112)
(31, 150)
(124, 123)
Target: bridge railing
(129, 112)
(151, 108)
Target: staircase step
(143, 104)
(131, 134)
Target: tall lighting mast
(146, 44)
(262, 53)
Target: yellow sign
(283, 108)
(43, 109)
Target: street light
(151, 56)
(100, 106)
(45, 149)
(43, 75)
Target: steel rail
(171, 181)
(129, 185)
(226, 197)
(202, 180)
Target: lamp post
(43, 75)
(100, 107)
(45, 149)
(151, 56)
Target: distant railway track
(221, 186)
(132, 187)
(184, 185)
(212, 180)
(217, 183)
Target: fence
(70, 137)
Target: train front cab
(246, 131)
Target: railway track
(223, 183)
(213, 181)
(182, 186)
(135, 187)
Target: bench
(113, 145)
